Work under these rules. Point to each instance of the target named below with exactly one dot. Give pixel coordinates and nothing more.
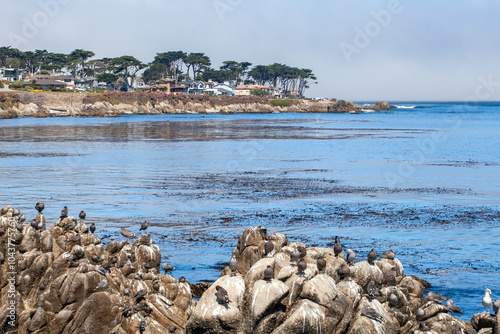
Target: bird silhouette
(268, 247)
(269, 273)
(127, 233)
(390, 255)
(144, 226)
(372, 256)
(321, 263)
(372, 290)
(39, 207)
(371, 313)
(337, 247)
(222, 295)
(351, 256)
(301, 266)
(92, 228)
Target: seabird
(22, 218)
(167, 267)
(372, 256)
(302, 251)
(156, 286)
(82, 215)
(69, 226)
(321, 263)
(172, 329)
(127, 233)
(34, 224)
(344, 271)
(39, 207)
(268, 247)
(269, 273)
(92, 228)
(389, 276)
(452, 307)
(144, 239)
(351, 256)
(390, 255)
(420, 314)
(20, 227)
(144, 226)
(487, 300)
(222, 295)
(496, 306)
(102, 284)
(182, 279)
(98, 259)
(393, 299)
(337, 246)
(16, 212)
(140, 295)
(424, 327)
(76, 238)
(294, 256)
(435, 297)
(138, 307)
(233, 264)
(126, 292)
(301, 266)
(138, 277)
(42, 285)
(64, 212)
(371, 313)
(102, 270)
(5, 209)
(147, 266)
(373, 290)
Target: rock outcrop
(37, 104)
(63, 280)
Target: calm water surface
(424, 181)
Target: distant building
(194, 87)
(10, 74)
(225, 89)
(139, 84)
(59, 81)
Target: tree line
(177, 65)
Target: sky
(393, 50)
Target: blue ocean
(422, 179)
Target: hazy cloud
(426, 51)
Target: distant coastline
(46, 104)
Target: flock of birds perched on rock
(296, 258)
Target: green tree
(173, 60)
(13, 62)
(81, 56)
(127, 67)
(55, 61)
(8, 52)
(260, 74)
(155, 72)
(196, 61)
(215, 75)
(236, 71)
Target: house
(59, 81)
(246, 90)
(85, 84)
(225, 89)
(139, 84)
(179, 89)
(194, 87)
(10, 74)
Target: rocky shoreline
(62, 279)
(37, 104)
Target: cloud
(428, 51)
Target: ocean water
(423, 179)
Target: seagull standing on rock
(487, 300)
(233, 265)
